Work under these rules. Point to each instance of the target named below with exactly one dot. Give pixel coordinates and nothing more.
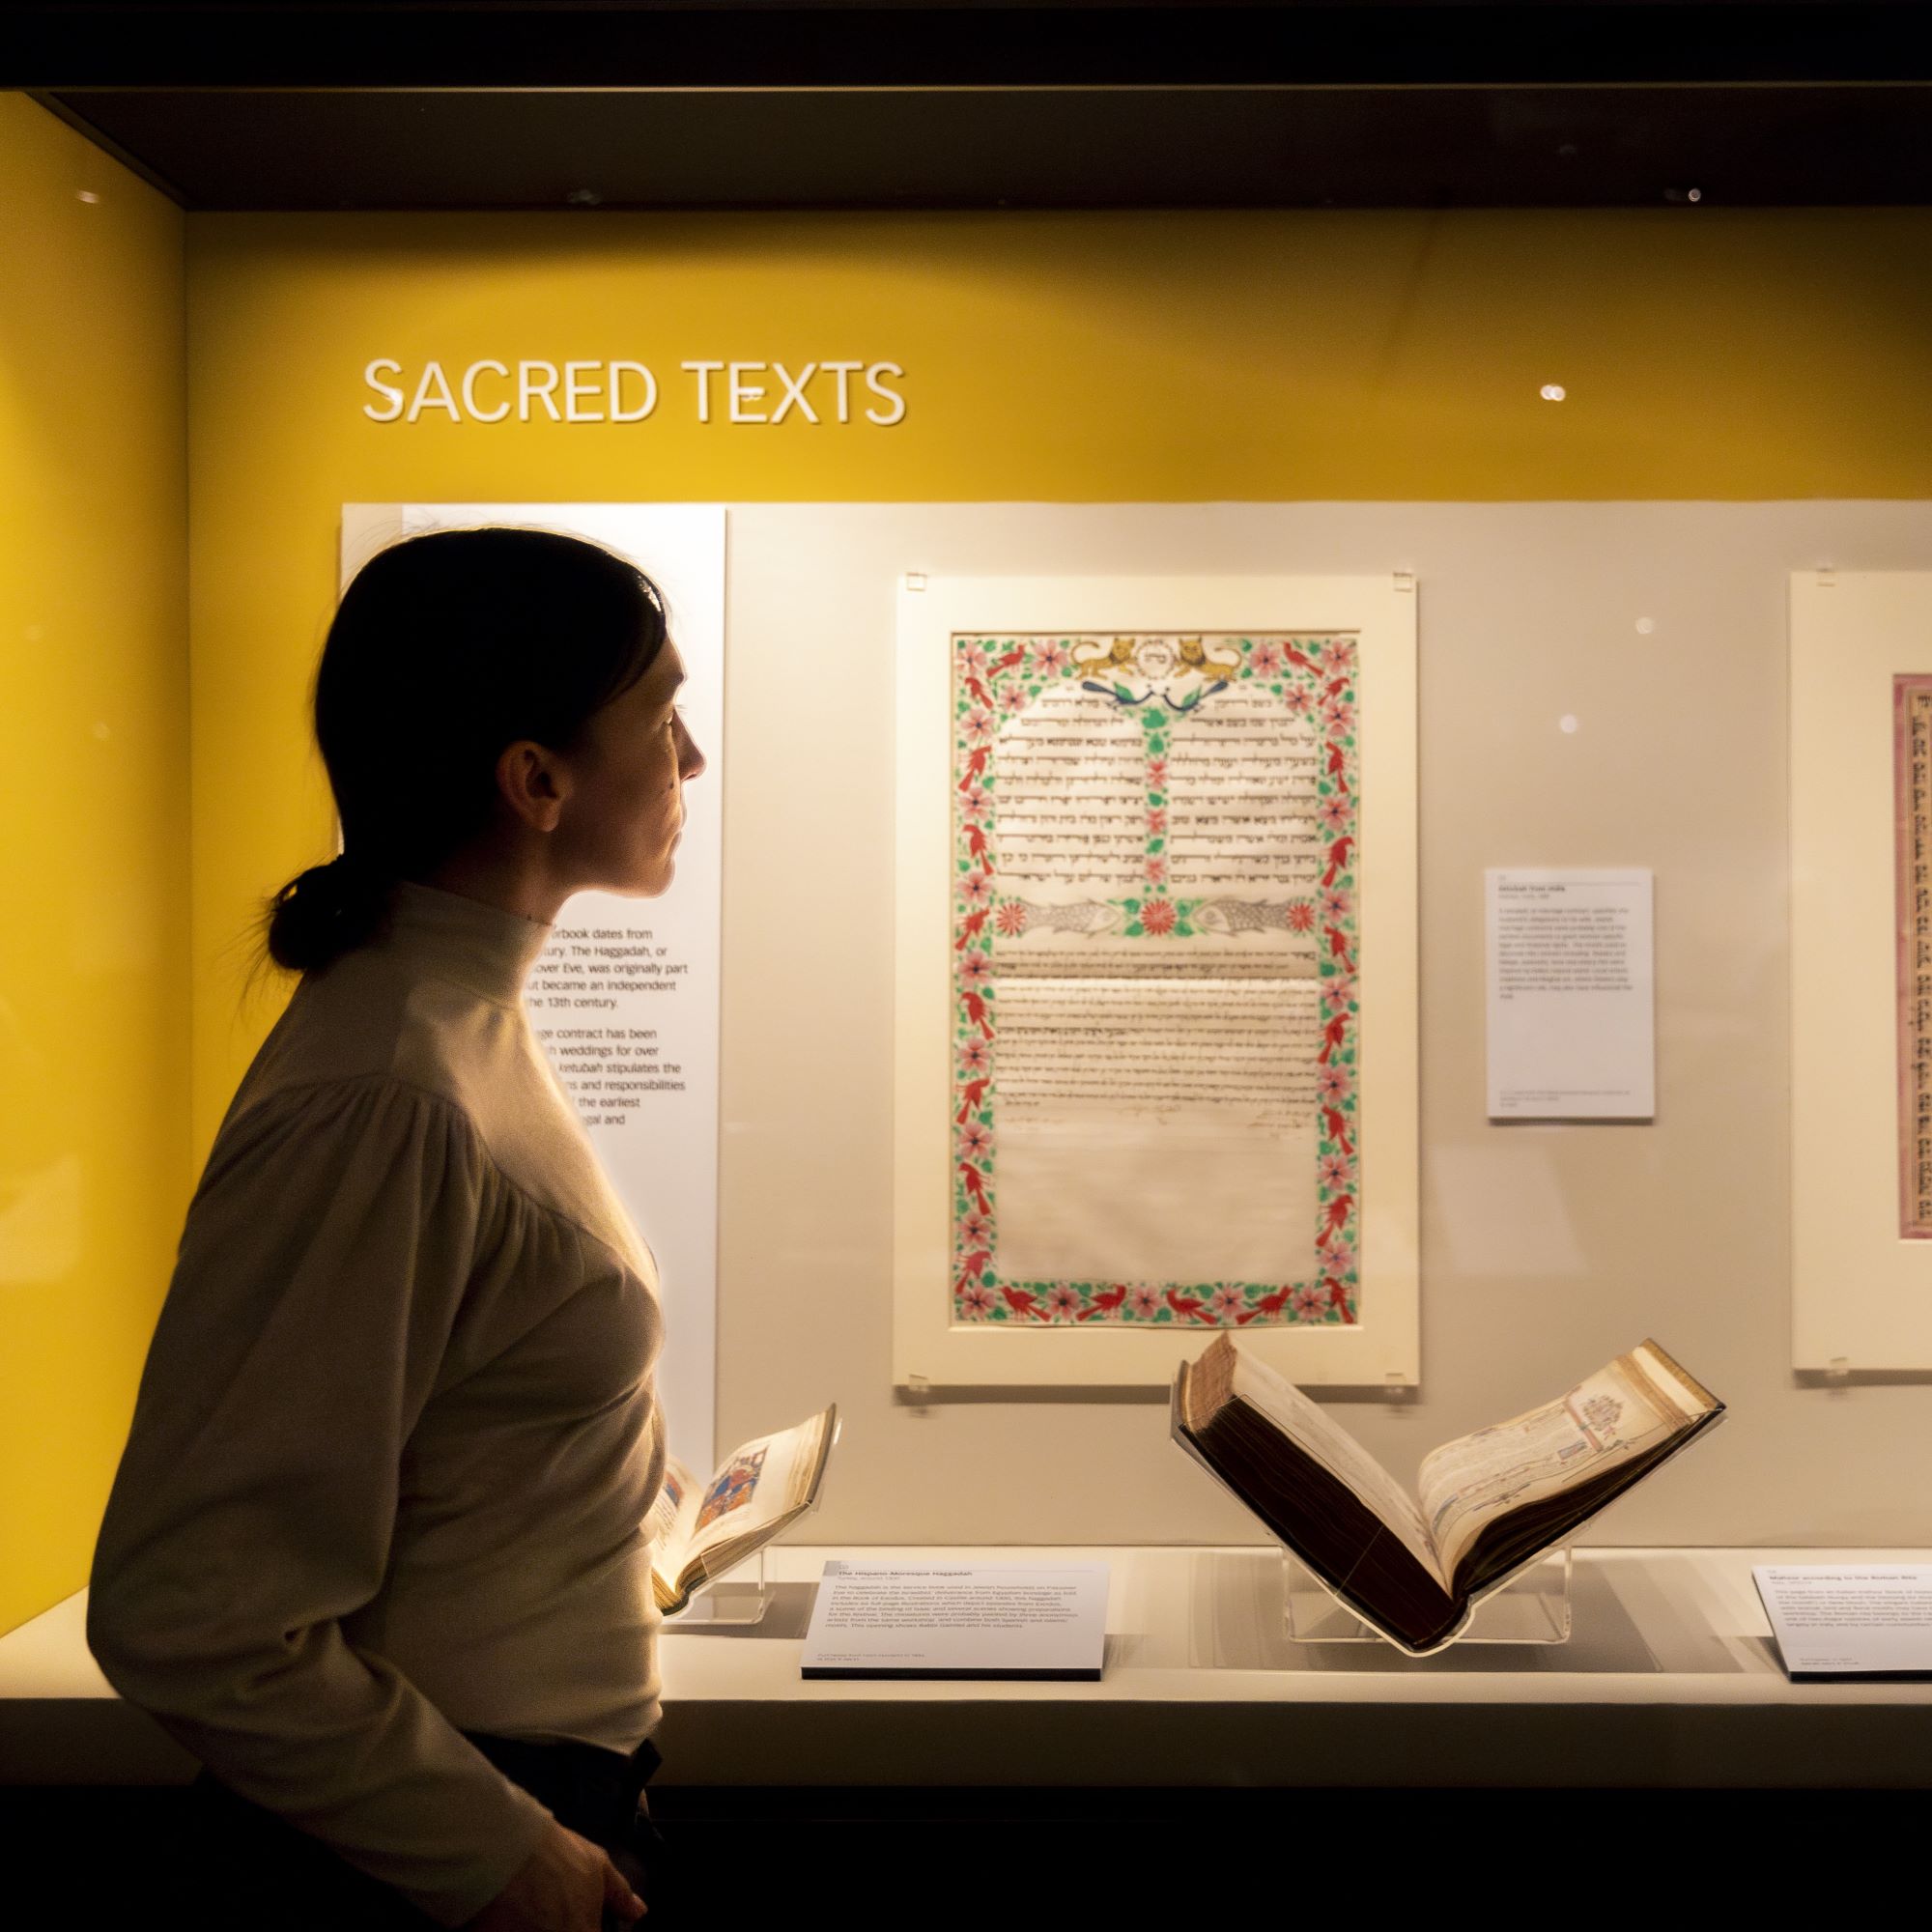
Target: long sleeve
(322, 1269)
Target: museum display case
(1348, 778)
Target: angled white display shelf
(1670, 1678)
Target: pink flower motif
(1011, 917)
(977, 802)
(1339, 991)
(975, 1230)
(1339, 715)
(976, 723)
(1334, 813)
(1142, 1302)
(1226, 1303)
(976, 888)
(978, 1302)
(1301, 916)
(1308, 1305)
(1157, 821)
(1012, 695)
(1062, 1299)
(1334, 1171)
(1332, 1083)
(1299, 699)
(1156, 774)
(1337, 655)
(976, 1141)
(1157, 916)
(976, 1056)
(1341, 1259)
(1053, 660)
(1265, 660)
(974, 969)
(1156, 871)
(973, 655)
(1337, 904)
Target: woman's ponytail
(325, 911)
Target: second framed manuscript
(1862, 969)
(1156, 981)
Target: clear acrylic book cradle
(1531, 1605)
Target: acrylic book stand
(1530, 1606)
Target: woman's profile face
(626, 807)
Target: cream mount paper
(1860, 935)
(1155, 1039)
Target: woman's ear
(533, 783)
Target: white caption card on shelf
(957, 1620)
(1830, 1620)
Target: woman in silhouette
(375, 1551)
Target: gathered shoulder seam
(383, 1076)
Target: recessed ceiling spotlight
(1551, 392)
(86, 194)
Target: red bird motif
(970, 928)
(1105, 1301)
(978, 691)
(976, 766)
(1335, 761)
(1189, 1307)
(1338, 1296)
(1338, 858)
(975, 1091)
(1268, 1304)
(976, 1013)
(1294, 656)
(1331, 1037)
(1338, 945)
(974, 1262)
(976, 1185)
(1024, 1302)
(976, 842)
(1337, 1211)
(1334, 1125)
(1008, 662)
(1337, 688)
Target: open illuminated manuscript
(1155, 926)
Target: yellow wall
(93, 860)
(1086, 356)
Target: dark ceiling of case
(898, 104)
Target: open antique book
(1413, 1567)
(700, 1531)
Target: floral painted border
(994, 679)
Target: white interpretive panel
(1834, 1621)
(1155, 1026)
(1861, 970)
(957, 1620)
(624, 997)
(1572, 1001)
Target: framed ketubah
(1155, 1014)
(1862, 969)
